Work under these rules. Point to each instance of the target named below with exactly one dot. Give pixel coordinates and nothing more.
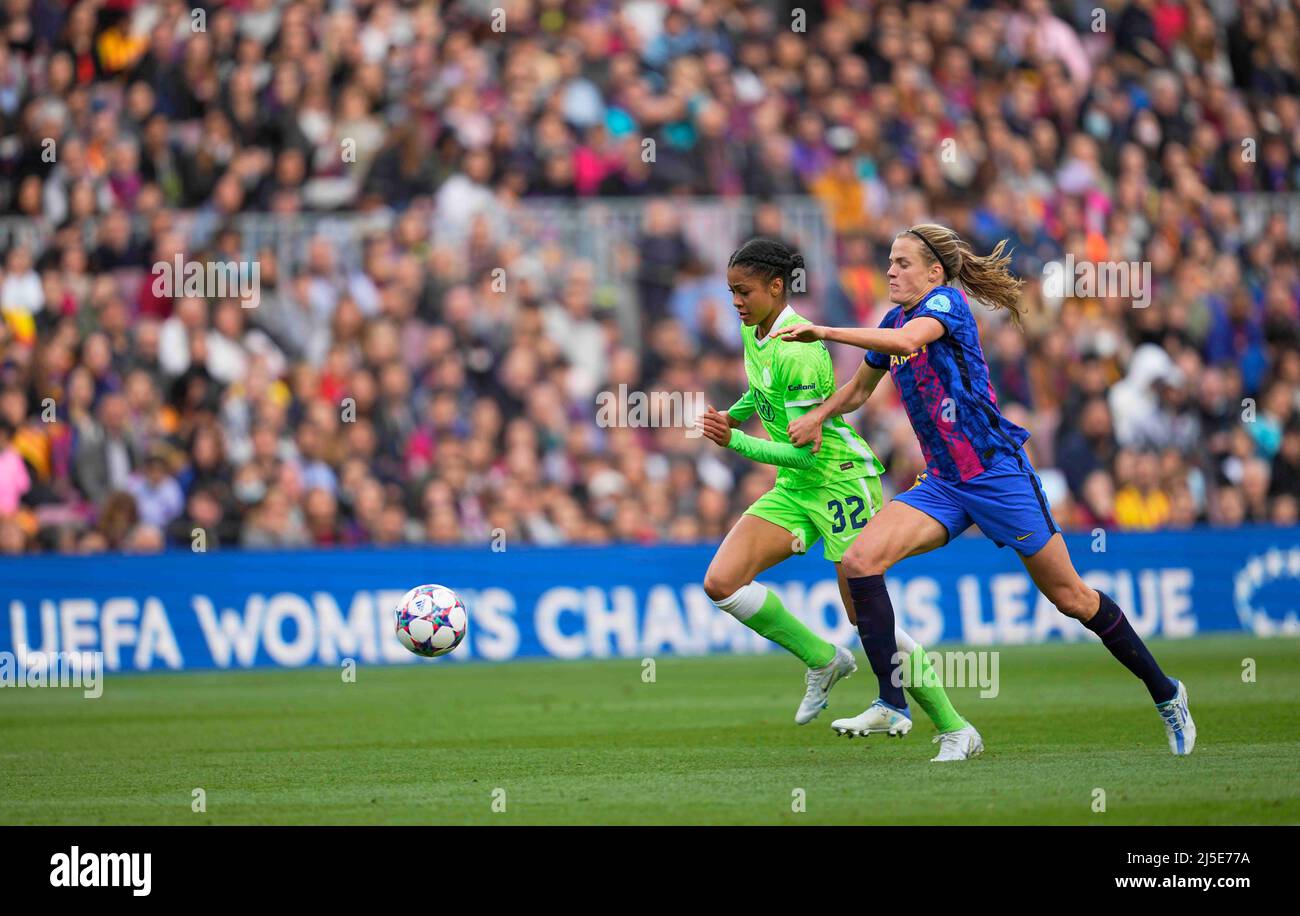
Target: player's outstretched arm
(891, 341)
(846, 399)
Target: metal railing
(599, 231)
(1255, 210)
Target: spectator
(436, 313)
(14, 479)
(158, 497)
(107, 454)
(1141, 503)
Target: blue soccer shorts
(1006, 501)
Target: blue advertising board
(243, 609)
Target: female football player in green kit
(828, 495)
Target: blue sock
(876, 628)
(1118, 636)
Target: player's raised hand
(800, 333)
(715, 426)
(803, 430)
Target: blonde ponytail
(985, 278)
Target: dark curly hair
(770, 258)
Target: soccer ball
(431, 620)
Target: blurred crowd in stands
(438, 382)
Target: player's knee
(719, 586)
(863, 560)
(1074, 600)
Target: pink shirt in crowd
(14, 481)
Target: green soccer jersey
(785, 381)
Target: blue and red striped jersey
(946, 391)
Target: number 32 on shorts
(855, 519)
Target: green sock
(926, 688)
(784, 629)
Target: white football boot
(820, 681)
(1178, 722)
(878, 718)
(960, 744)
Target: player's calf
(1074, 600)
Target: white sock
(906, 644)
(745, 603)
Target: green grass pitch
(710, 741)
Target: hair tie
(934, 251)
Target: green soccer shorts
(835, 513)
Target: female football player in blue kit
(976, 468)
